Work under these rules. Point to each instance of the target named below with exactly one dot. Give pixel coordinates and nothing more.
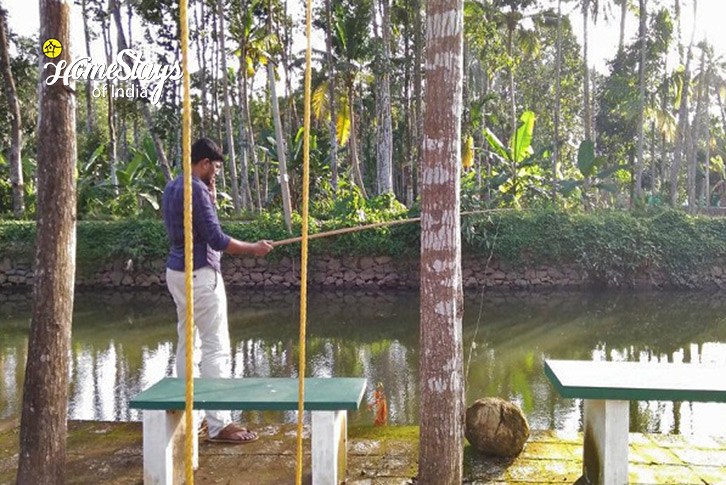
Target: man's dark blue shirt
(209, 240)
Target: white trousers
(210, 322)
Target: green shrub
(613, 247)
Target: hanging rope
(190, 433)
(304, 250)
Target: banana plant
(520, 167)
(592, 168)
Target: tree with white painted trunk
(43, 425)
(442, 384)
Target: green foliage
(612, 247)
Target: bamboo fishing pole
(376, 225)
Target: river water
(124, 342)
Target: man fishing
(210, 299)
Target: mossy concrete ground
(104, 452)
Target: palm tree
(558, 85)
(442, 383)
(641, 101)
(381, 68)
(682, 117)
(332, 126)
(236, 201)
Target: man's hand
(213, 191)
(261, 248)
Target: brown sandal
(235, 435)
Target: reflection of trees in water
(125, 342)
(519, 330)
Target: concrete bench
(327, 399)
(607, 388)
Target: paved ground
(111, 453)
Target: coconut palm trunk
(353, 143)
(558, 90)
(384, 125)
(90, 115)
(682, 129)
(237, 201)
(332, 127)
(641, 102)
(201, 45)
(281, 147)
(441, 377)
(243, 153)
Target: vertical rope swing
(304, 250)
(190, 433)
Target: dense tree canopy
(512, 59)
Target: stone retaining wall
(333, 272)
(365, 273)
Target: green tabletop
(637, 381)
(275, 394)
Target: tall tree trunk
(87, 38)
(236, 202)
(353, 142)
(332, 128)
(215, 84)
(43, 425)
(385, 141)
(707, 169)
(511, 26)
(641, 102)
(281, 147)
(16, 132)
(377, 95)
(243, 155)
(408, 164)
(558, 91)
(623, 15)
(586, 69)
(201, 44)
(682, 129)
(158, 144)
(419, 46)
(695, 138)
(679, 34)
(113, 8)
(441, 377)
(250, 142)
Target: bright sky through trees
(24, 21)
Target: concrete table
(327, 399)
(607, 388)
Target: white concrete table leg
(163, 438)
(605, 450)
(329, 446)
(196, 419)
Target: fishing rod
(376, 225)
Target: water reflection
(124, 342)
